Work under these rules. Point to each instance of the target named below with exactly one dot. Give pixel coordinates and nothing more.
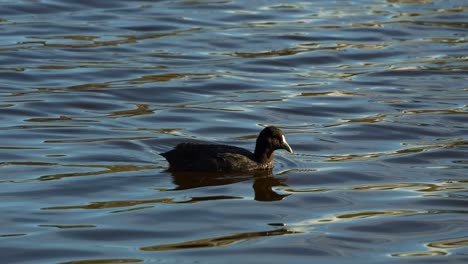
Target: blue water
(372, 97)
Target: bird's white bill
(285, 144)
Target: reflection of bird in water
(263, 188)
(225, 158)
(263, 182)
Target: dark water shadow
(263, 182)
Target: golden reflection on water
(367, 119)
(158, 78)
(144, 79)
(410, 1)
(308, 47)
(82, 42)
(128, 203)
(429, 188)
(105, 169)
(375, 213)
(55, 67)
(440, 248)
(308, 224)
(421, 254)
(459, 110)
(90, 86)
(103, 261)
(61, 118)
(218, 241)
(142, 109)
(451, 243)
(271, 53)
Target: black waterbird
(226, 158)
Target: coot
(225, 158)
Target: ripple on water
(371, 96)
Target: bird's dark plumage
(225, 158)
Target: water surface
(372, 96)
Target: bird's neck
(263, 154)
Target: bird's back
(209, 157)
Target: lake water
(371, 94)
